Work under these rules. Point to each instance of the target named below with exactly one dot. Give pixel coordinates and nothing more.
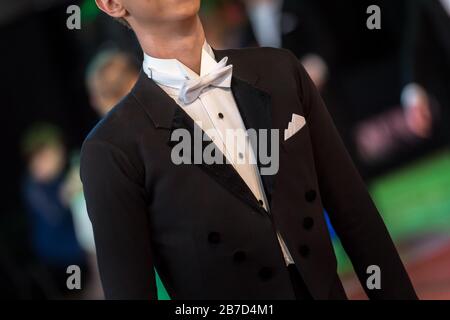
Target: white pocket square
(294, 126)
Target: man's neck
(182, 41)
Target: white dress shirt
(216, 113)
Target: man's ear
(113, 8)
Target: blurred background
(387, 89)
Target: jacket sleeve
(116, 204)
(345, 197)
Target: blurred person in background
(53, 238)
(292, 24)
(109, 77)
(426, 66)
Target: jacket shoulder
(118, 123)
(117, 135)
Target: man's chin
(186, 8)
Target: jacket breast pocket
(298, 141)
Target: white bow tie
(220, 76)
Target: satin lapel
(224, 173)
(255, 109)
